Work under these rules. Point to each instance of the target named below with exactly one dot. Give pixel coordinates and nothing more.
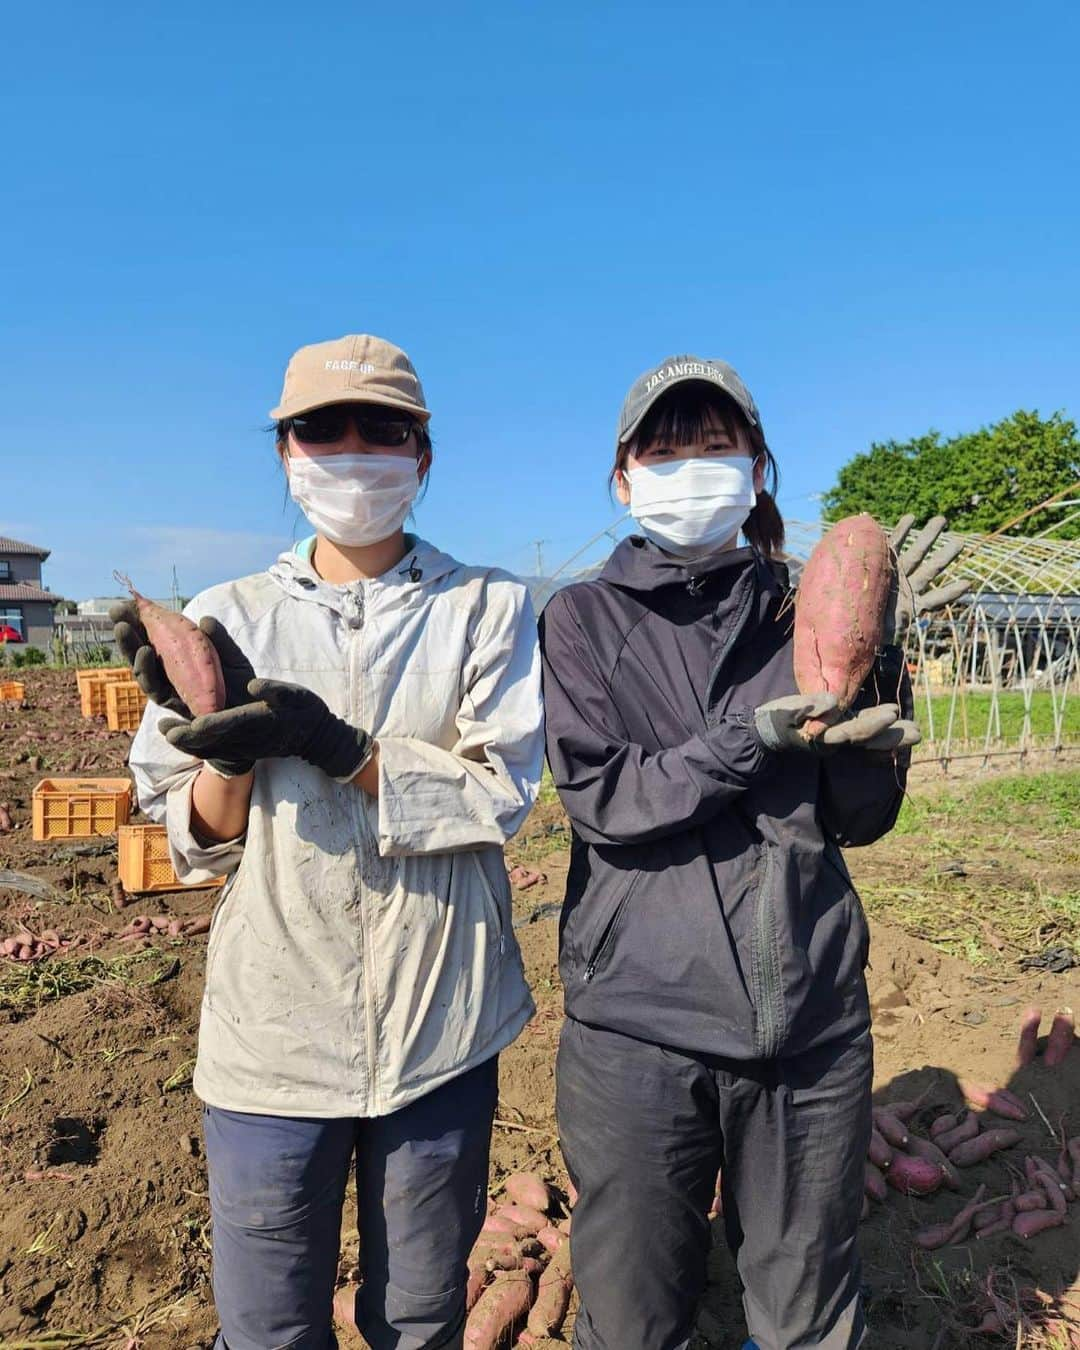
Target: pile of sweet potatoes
(915, 1165)
(519, 1270)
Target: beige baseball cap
(354, 369)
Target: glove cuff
(224, 768)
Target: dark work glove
(150, 676)
(779, 722)
(280, 720)
(912, 590)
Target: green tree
(979, 480)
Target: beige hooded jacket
(362, 952)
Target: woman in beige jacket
(362, 972)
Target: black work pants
(644, 1130)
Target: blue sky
(870, 210)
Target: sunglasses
(324, 426)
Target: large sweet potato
(189, 658)
(840, 610)
(500, 1311)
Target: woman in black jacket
(712, 946)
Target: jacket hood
(422, 565)
(637, 564)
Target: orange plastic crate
(124, 704)
(78, 808)
(12, 690)
(145, 864)
(92, 686)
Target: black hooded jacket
(708, 906)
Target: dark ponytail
(764, 526)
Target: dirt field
(104, 1227)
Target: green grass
(1017, 839)
(973, 716)
(1047, 801)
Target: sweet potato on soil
(1074, 1154)
(874, 1183)
(553, 1296)
(1028, 1044)
(943, 1124)
(526, 1188)
(913, 1176)
(880, 1153)
(977, 1150)
(532, 1220)
(956, 1228)
(551, 1239)
(1059, 1042)
(840, 611)
(500, 1311)
(890, 1128)
(1027, 1201)
(931, 1153)
(1027, 1225)
(187, 655)
(966, 1127)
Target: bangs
(686, 415)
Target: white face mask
(354, 499)
(692, 506)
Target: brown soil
(110, 1237)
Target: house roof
(17, 546)
(26, 590)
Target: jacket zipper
(734, 633)
(765, 968)
(609, 931)
(765, 959)
(356, 700)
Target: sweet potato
(956, 1228)
(890, 1128)
(931, 1153)
(524, 1216)
(905, 1110)
(840, 611)
(1026, 1201)
(553, 1296)
(943, 1124)
(1048, 1181)
(499, 1312)
(187, 655)
(1074, 1154)
(880, 1153)
(1028, 1044)
(985, 1218)
(504, 1225)
(874, 1182)
(913, 1176)
(966, 1127)
(1059, 1042)
(474, 1287)
(1027, 1225)
(977, 1150)
(551, 1239)
(526, 1188)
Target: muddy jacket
(362, 952)
(708, 906)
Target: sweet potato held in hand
(189, 658)
(840, 610)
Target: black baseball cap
(654, 383)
